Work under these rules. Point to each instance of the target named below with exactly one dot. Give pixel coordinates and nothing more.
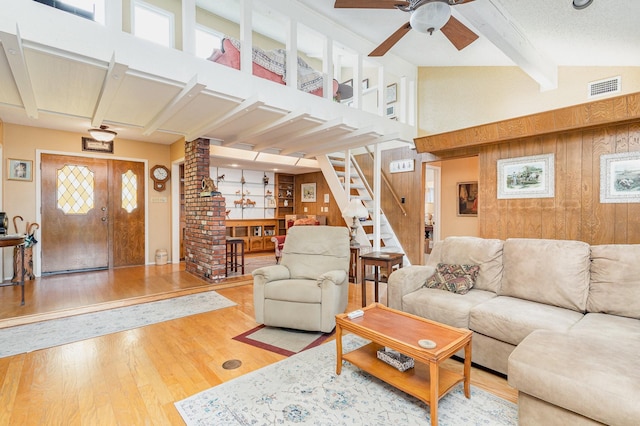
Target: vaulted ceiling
(70, 74)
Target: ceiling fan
(427, 16)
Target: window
(129, 196)
(152, 23)
(206, 41)
(90, 9)
(75, 189)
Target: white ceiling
(604, 34)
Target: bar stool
(235, 255)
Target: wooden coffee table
(401, 331)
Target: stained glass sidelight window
(129, 191)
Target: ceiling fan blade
(391, 41)
(369, 4)
(458, 34)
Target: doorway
(431, 206)
(93, 213)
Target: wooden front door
(85, 202)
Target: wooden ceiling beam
(619, 109)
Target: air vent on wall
(603, 87)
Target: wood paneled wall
(575, 212)
(334, 216)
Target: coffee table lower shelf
(415, 381)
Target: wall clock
(160, 175)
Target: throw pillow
(455, 278)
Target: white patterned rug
(46, 334)
(304, 389)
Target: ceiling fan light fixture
(581, 4)
(430, 16)
(103, 134)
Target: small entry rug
(47, 334)
(305, 390)
(283, 341)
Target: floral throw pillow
(455, 278)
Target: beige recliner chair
(311, 283)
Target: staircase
(344, 178)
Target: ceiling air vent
(603, 87)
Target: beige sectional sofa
(560, 318)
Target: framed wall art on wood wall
(308, 192)
(620, 178)
(526, 177)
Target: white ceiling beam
(110, 86)
(501, 30)
(247, 135)
(306, 133)
(336, 140)
(12, 45)
(186, 95)
(328, 148)
(242, 109)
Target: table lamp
(355, 210)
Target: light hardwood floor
(135, 376)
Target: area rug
(304, 389)
(283, 341)
(47, 334)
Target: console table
(377, 259)
(15, 241)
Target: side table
(353, 263)
(13, 241)
(377, 259)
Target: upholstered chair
(310, 285)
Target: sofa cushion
(443, 306)
(596, 377)
(612, 325)
(511, 320)
(553, 272)
(615, 280)
(455, 278)
(486, 253)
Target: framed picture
(365, 84)
(93, 145)
(19, 169)
(391, 111)
(620, 178)
(526, 177)
(399, 166)
(308, 192)
(468, 198)
(392, 93)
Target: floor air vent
(603, 87)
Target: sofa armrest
(406, 280)
(336, 277)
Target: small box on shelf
(395, 359)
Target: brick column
(204, 239)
